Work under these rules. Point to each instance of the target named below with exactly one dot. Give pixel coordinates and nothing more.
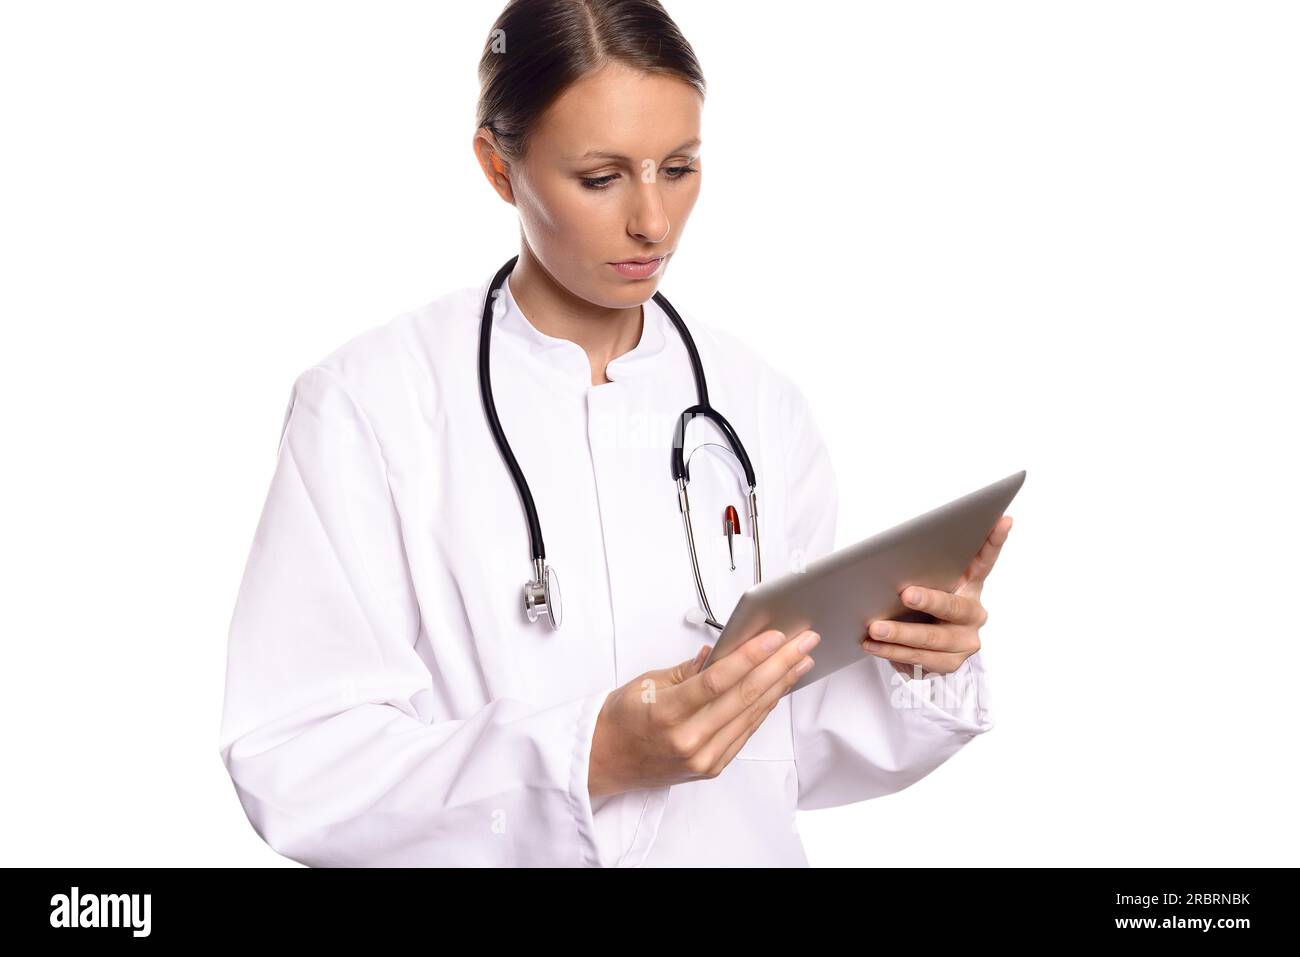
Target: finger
(925, 636)
(744, 694)
(983, 562)
(731, 738)
(947, 606)
(716, 680)
(940, 662)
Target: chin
(619, 293)
(632, 294)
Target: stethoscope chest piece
(542, 595)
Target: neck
(604, 333)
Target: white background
(982, 237)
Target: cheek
(538, 214)
(567, 222)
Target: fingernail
(809, 641)
(773, 641)
(913, 596)
(880, 630)
(803, 666)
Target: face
(611, 174)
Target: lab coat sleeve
(865, 730)
(338, 750)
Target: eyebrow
(606, 154)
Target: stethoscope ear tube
(705, 615)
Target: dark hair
(538, 47)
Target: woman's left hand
(942, 646)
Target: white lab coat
(387, 701)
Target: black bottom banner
(930, 907)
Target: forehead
(621, 110)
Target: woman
(389, 701)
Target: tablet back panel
(840, 594)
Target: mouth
(642, 267)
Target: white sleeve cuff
(618, 829)
(958, 702)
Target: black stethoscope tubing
(680, 472)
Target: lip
(641, 268)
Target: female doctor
(406, 682)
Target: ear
(488, 153)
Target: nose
(649, 221)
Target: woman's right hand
(681, 724)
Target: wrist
(600, 781)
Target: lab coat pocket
(723, 585)
(773, 740)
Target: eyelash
(602, 182)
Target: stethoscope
(542, 593)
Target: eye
(602, 182)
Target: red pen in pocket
(731, 526)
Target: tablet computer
(840, 594)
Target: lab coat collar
(568, 359)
